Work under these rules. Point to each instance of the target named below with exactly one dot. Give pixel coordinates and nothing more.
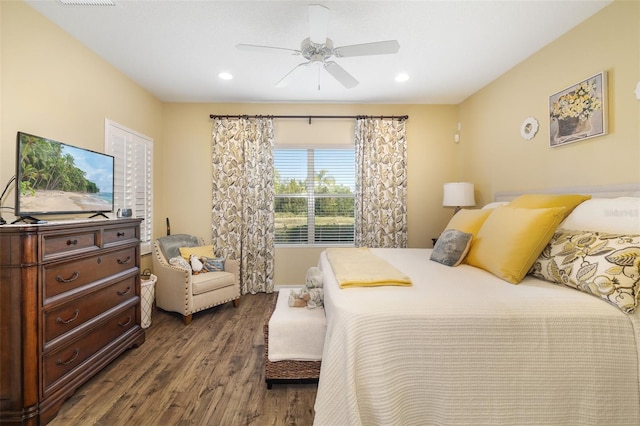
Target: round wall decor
(529, 128)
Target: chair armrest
(233, 266)
(173, 287)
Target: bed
(463, 346)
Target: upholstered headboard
(598, 191)
(612, 208)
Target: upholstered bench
(293, 342)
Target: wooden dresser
(69, 305)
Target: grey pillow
(451, 248)
(213, 264)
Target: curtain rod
(309, 117)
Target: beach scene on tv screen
(55, 177)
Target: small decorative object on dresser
(70, 304)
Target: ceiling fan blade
(340, 74)
(284, 81)
(375, 48)
(318, 21)
(258, 48)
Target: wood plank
(210, 372)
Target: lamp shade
(458, 194)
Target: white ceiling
(176, 48)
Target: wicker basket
(147, 293)
(286, 371)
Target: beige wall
(53, 86)
(494, 156)
(187, 155)
(71, 91)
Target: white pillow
(180, 262)
(495, 204)
(613, 215)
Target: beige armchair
(177, 290)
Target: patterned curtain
(243, 196)
(381, 183)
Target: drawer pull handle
(126, 323)
(73, 277)
(122, 293)
(122, 262)
(75, 317)
(72, 242)
(120, 234)
(70, 360)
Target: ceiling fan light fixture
(319, 49)
(402, 77)
(225, 75)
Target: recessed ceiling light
(402, 77)
(225, 76)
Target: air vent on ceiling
(87, 2)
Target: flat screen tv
(55, 178)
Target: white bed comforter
(463, 347)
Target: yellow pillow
(511, 240)
(469, 221)
(200, 251)
(545, 201)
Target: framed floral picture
(579, 112)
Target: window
(314, 195)
(133, 175)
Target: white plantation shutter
(133, 183)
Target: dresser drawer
(62, 277)
(65, 359)
(115, 236)
(65, 318)
(60, 245)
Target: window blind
(314, 195)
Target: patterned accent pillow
(451, 248)
(604, 265)
(180, 262)
(211, 264)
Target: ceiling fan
(319, 49)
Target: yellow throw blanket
(358, 267)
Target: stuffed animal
(312, 295)
(196, 265)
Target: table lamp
(458, 194)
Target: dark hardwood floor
(208, 373)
